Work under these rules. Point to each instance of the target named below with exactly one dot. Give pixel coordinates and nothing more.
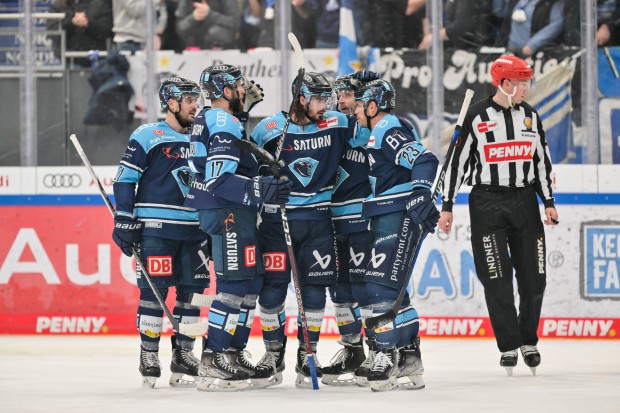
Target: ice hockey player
(351, 302)
(152, 218)
(402, 172)
(311, 151)
(227, 192)
(503, 207)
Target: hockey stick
(407, 235)
(194, 329)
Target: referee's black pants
(507, 233)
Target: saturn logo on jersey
(508, 151)
(167, 150)
(230, 219)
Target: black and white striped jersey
(500, 148)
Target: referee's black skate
(183, 366)
(382, 376)
(509, 361)
(304, 378)
(410, 367)
(150, 368)
(361, 373)
(341, 371)
(531, 357)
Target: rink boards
(60, 272)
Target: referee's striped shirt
(500, 148)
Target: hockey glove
(253, 95)
(366, 76)
(269, 190)
(127, 233)
(422, 210)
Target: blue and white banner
(348, 60)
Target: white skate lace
(269, 360)
(242, 359)
(304, 361)
(370, 360)
(382, 362)
(340, 357)
(222, 362)
(189, 358)
(150, 359)
(511, 353)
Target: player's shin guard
(349, 321)
(365, 313)
(223, 318)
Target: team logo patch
(250, 256)
(527, 122)
(158, 132)
(159, 266)
(270, 125)
(326, 123)
(508, 151)
(371, 142)
(274, 261)
(230, 219)
(484, 127)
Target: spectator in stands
(471, 32)
(87, 23)
(608, 18)
(303, 23)
(130, 23)
(250, 26)
(531, 25)
(170, 39)
(208, 24)
(327, 23)
(394, 23)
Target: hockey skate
(344, 363)
(184, 367)
(304, 378)
(531, 357)
(361, 373)
(509, 361)
(410, 367)
(382, 376)
(150, 368)
(259, 378)
(271, 366)
(217, 373)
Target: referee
(503, 154)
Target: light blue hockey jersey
(223, 171)
(399, 163)
(311, 154)
(155, 162)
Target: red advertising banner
(60, 273)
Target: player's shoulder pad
(269, 128)
(150, 134)
(383, 127)
(218, 120)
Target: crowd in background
(523, 26)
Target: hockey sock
(186, 313)
(149, 323)
(244, 323)
(272, 322)
(386, 336)
(408, 325)
(365, 313)
(223, 318)
(348, 321)
(314, 318)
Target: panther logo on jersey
(304, 169)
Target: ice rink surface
(100, 374)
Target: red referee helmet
(510, 67)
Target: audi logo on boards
(62, 180)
